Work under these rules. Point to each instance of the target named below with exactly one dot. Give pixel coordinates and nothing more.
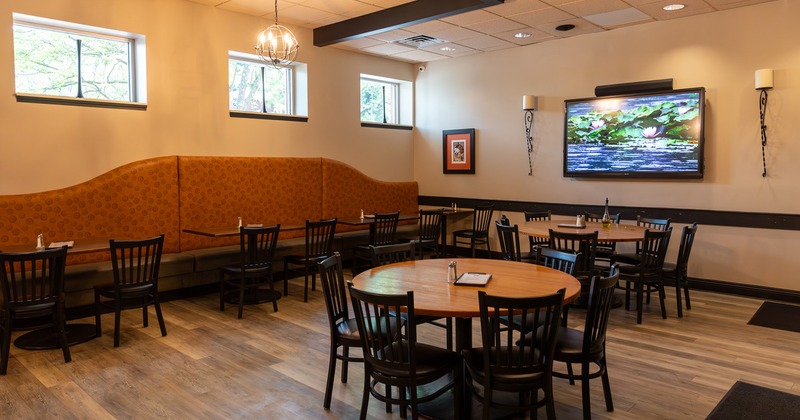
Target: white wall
(44, 147)
(718, 51)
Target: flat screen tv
(652, 135)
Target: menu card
(473, 279)
(68, 244)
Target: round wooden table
(614, 233)
(434, 296)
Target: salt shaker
(362, 213)
(40, 242)
(240, 221)
(452, 272)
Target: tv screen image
(653, 135)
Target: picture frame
(458, 153)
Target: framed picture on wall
(459, 151)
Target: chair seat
(108, 290)
(569, 345)
(431, 361)
(474, 360)
(670, 269)
(628, 258)
(302, 259)
(469, 233)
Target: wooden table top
(434, 296)
(221, 232)
(614, 233)
(80, 246)
(358, 221)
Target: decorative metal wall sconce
(763, 84)
(529, 103)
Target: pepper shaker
(40, 242)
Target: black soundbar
(646, 86)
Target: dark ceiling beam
(395, 17)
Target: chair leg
(117, 316)
(242, 287)
(472, 246)
(305, 288)
(627, 296)
(6, 349)
(98, 330)
(661, 296)
(686, 293)
(678, 297)
(331, 372)
(571, 374)
(365, 395)
(345, 355)
(145, 322)
(639, 298)
(60, 326)
(159, 314)
(585, 395)
(606, 385)
(449, 332)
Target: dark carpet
(777, 315)
(747, 401)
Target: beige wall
(44, 147)
(719, 51)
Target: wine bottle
(606, 220)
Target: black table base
(47, 338)
(250, 298)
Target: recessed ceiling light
(566, 27)
(674, 7)
(522, 35)
(448, 49)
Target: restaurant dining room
(385, 209)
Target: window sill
(263, 116)
(62, 100)
(389, 126)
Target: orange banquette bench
(173, 193)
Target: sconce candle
(529, 103)
(764, 79)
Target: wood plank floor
(273, 365)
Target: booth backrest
(169, 194)
(214, 191)
(136, 200)
(346, 191)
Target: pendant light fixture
(277, 45)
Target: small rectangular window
(75, 61)
(256, 87)
(379, 101)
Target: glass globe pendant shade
(277, 46)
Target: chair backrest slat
(583, 243)
(559, 260)
(390, 254)
(509, 242)
(385, 228)
(385, 347)
(601, 300)
(531, 216)
(32, 278)
(333, 287)
(319, 237)
(136, 262)
(482, 218)
(687, 240)
(650, 224)
(430, 225)
(257, 246)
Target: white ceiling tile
(429, 27)
(388, 49)
(496, 26)
(455, 34)
(393, 35)
(593, 7)
(581, 27)
(730, 4)
(486, 43)
(438, 48)
(618, 18)
(470, 18)
(536, 36)
(418, 56)
(541, 16)
(693, 7)
(515, 7)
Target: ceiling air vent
(420, 41)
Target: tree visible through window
(378, 101)
(256, 87)
(47, 61)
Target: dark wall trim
(703, 217)
(262, 116)
(748, 290)
(389, 126)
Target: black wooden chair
(135, 264)
(383, 231)
(509, 242)
(33, 287)
(256, 249)
(343, 328)
(430, 230)
(537, 241)
(319, 246)
(647, 223)
(479, 234)
(398, 360)
(604, 249)
(678, 271)
(395, 253)
(584, 244)
(647, 274)
(588, 345)
(506, 363)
